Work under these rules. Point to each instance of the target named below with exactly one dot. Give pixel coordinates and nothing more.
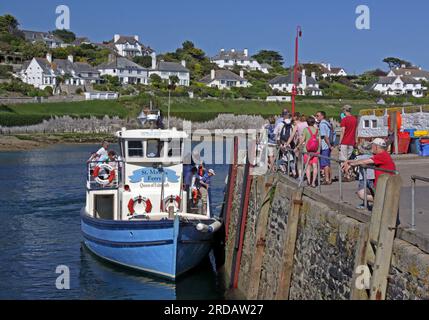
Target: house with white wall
(51, 40)
(417, 73)
(225, 79)
(166, 69)
(231, 58)
(398, 85)
(306, 85)
(328, 71)
(46, 72)
(126, 70)
(130, 46)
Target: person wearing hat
(381, 159)
(205, 182)
(347, 137)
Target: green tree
(65, 35)
(269, 56)
(393, 62)
(8, 24)
(174, 80)
(144, 61)
(155, 80)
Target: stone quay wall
(329, 238)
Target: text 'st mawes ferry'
(136, 208)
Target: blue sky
(329, 32)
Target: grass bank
(189, 109)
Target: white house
(414, 72)
(398, 85)
(231, 58)
(126, 70)
(328, 71)
(306, 85)
(166, 70)
(225, 79)
(44, 72)
(51, 40)
(130, 46)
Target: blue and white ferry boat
(136, 208)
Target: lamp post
(295, 71)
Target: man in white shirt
(101, 154)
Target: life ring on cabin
(105, 178)
(138, 200)
(172, 201)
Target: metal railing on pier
(413, 198)
(295, 156)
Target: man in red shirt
(381, 159)
(348, 137)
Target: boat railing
(104, 175)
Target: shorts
(369, 184)
(325, 162)
(313, 160)
(271, 150)
(345, 152)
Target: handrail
(304, 167)
(92, 182)
(413, 198)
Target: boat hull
(166, 248)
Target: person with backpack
(327, 137)
(311, 143)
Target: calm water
(41, 193)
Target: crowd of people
(197, 181)
(307, 143)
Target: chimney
(153, 55)
(246, 52)
(232, 50)
(183, 62)
(303, 79)
(116, 37)
(313, 75)
(49, 57)
(70, 58)
(329, 66)
(212, 74)
(136, 38)
(241, 73)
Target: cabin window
(135, 149)
(153, 148)
(175, 147)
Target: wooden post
(289, 246)
(385, 240)
(261, 232)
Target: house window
(135, 149)
(374, 123)
(366, 124)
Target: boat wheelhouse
(137, 211)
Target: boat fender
(101, 180)
(139, 199)
(211, 228)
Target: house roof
(44, 64)
(170, 67)
(390, 80)
(126, 39)
(39, 35)
(289, 79)
(81, 40)
(336, 69)
(226, 75)
(230, 55)
(120, 63)
(411, 72)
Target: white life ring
(107, 176)
(147, 204)
(172, 201)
